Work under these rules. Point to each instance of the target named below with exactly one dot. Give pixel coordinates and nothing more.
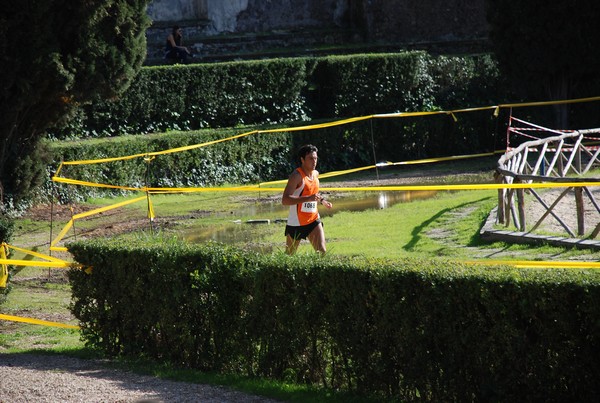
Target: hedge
(7, 229)
(190, 97)
(248, 159)
(413, 329)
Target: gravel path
(49, 378)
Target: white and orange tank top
(307, 212)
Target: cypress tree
(54, 56)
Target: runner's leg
(317, 239)
(291, 245)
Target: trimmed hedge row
(248, 159)
(191, 97)
(432, 330)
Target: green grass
(402, 229)
(39, 294)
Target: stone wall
(377, 19)
(230, 16)
(425, 20)
(371, 21)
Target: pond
(236, 231)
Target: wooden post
(561, 163)
(521, 207)
(500, 206)
(498, 178)
(580, 211)
(508, 202)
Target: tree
(54, 56)
(547, 48)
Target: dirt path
(51, 378)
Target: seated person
(174, 49)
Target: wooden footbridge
(550, 156)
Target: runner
(302, 195)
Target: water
(235, 231)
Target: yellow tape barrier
(37, 321)
(69, 224)
(4, 261)
(3, 266)
(472, 186)
(531, 264)
(452, 113)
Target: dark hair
(175, 29)
(306, 149)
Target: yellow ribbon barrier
(537, 264)
(472, 186)
(281, 181)
(37, 322)
(33, 263)
(149, 156)
(69, 224)
(35, 254)
(51, 261)
(3, 266)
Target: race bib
(309, 207)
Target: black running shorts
(302, 231)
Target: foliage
(413, 329)
(274, 91)
(7, 230)
(366, 84)
(55, 55)
(249, 159)
(191, 97)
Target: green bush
(195, 96)
(414, 329)
(250, 159)
(7, 229)
(273, 91)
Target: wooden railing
(558, 156)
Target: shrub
(7, 227)
(413, 329)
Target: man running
(302, 195)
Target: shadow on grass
(416, 233)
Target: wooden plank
(592, 160)
(592, 198)
(557, 153)
(572, 156)
(540, 159)
(521, 206)
(557, 218)
(552, 208)
(580, 211)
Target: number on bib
(309, 207)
